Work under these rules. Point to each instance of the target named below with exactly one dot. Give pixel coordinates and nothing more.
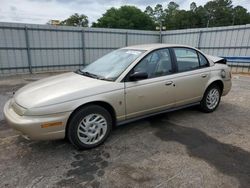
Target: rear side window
(203, 60)
(187, 59)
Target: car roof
(154, 46)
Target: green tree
(171, 21)
(240, 16)
(219, 12)
(150, 11)
(193, 6)
(201, 17)
(76, 20)
(126, 17)
(172, 8)
(159, 13)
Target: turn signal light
(52, 124)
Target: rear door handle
(169, 83)
(204, 75)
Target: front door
(154, 93)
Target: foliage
(76, 20)
(213, 13)
(126, 17)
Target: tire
(89, 127)
(211, 99)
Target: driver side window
(157, 63)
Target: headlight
(17, 108)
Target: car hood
(59, 89)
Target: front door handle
(204, 75)
(169, 83)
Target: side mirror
(138, 76)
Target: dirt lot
(185, 148)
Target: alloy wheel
(213, 98)
(92, 129)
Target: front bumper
(31, 126)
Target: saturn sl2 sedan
(125, 85)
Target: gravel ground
(185, 148)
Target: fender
(214, 76)
(114, 99)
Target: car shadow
(89, 165)
(226, 158)
(83, 166)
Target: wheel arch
(217, 82)
(103, 104)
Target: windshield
(110, 66)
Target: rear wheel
(211, 99)
(89, 127)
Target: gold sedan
(125, 85)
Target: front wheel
(89, 127)
(211, 99)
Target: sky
(41, 11)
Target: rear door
(192, 75)
(154, 93)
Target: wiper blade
(103, 78)
(87, 74)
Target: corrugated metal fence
(231, 42)
(32, 48)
